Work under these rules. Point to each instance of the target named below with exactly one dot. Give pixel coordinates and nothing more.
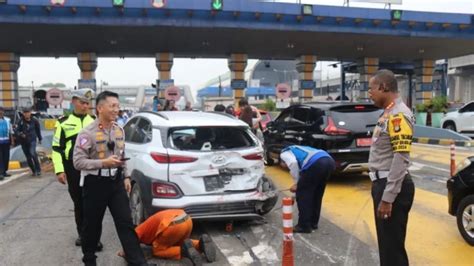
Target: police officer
(392, 187)
(99, 155)
(310, 168)
(67, 129)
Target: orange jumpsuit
(166, 237)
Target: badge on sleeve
(82, 141)
(401, 133)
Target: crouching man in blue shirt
(310, 168)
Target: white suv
(209, 164)
(461, 121)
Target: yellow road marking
(432, 237)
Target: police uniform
(388, 165)
(102, 188)
(310, 168)
(67, 129)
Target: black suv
(343, 129)
(461, 199)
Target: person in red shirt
(168, 233)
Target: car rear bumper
(246, 205)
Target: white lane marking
(417, 166)
(264, 250)
(317, 250)
(265, 253)
(439, 179)
(245, 259)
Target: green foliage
(439, 104)
(50, 84)
(421, 108)
(269, 105)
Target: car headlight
(463, 165)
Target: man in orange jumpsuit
(168, 233)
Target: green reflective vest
(64, 139)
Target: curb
(444, 142)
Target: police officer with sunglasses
(99, 155)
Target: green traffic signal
(217, 4)
(118, 3)
(397, 14)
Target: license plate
(216, 182)
(364, 142)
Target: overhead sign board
(238, 84)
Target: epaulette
(63, 118)
(93, 116)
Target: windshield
(211, 138)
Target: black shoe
(188, 251)
(78, 242)
(99, 247)
(314, 226)
(207, 247)
(6, 175)
(2, 177)
(38, 173)
(302, 230)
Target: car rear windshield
(211, 138)
(357, 118)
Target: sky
(192, 72)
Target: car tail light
(165, 190)
(332, 130)
(359, 107)
(253, 156)
(165, 158)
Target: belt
(180, 219)
(101, 172)
(374, 176)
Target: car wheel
(136, 205)
(450, 126)
(465, 219)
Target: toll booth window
(210, 138)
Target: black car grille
(221, 209)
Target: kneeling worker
(310, 168)
(168, 233)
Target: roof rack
(156, 113)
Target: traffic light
(397, 14)
(118, 3)
(217, 4)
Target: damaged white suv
(209, 164)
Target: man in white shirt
(310, 169)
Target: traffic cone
(288, 259)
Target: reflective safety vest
(64, 139)
(305, 155)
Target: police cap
(84, 95)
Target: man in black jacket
(27, 131)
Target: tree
(50, 84)
(269, 105)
